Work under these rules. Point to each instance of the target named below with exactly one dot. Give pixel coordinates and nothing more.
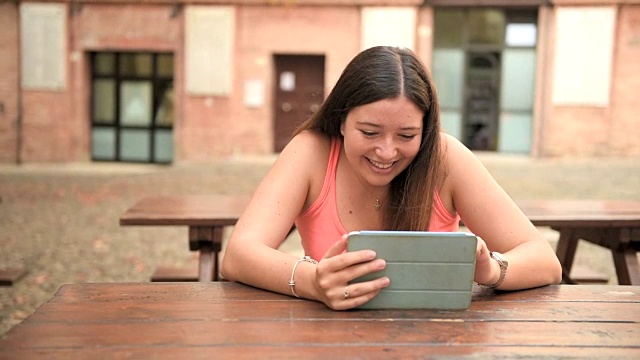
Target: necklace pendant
(377, 204)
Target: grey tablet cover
(428, 270)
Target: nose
(386, 149)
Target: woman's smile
(381, 165)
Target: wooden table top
(222, 210)
(231, 320)
(593, 213)
(190, 210)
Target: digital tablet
(428, 270)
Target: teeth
(381, 165)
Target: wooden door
(299, 92)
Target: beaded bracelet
(292, 283)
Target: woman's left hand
(487, 269)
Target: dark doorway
(299, 92)
(481, 112)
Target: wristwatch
(504, 264)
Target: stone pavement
(60, 221)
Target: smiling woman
(373, 157)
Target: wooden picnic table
(229, 320)
(614, 225)
(206, 216)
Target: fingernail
(385, 282)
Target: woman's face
(382, 138)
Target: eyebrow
(379, 126)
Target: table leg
(208, 241)
(625, 259)
(566, 251)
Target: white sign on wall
(583, 55)
(43, 46)
(254, 93)
(209, 49)
(392, 26)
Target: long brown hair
(387, 72)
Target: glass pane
(135, 103)
(104, 64)
(452, 123)
(135, 145)
(448, 28)
(163, 145)
(515, 133)
(486, 27)
(521, 35)
(164, 113)
(165, 65)
(140, 65)
(518, 79)
(103, 143)
(104, 101)
(448, 72)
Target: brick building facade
(224, 86)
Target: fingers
(337, 258)
(339, 267)
(354, 295)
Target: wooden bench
(175, 274)
(8, 277)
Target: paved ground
(60, 222)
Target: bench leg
(206, 264)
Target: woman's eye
(368, 133)
(408, 136)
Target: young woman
(374, 158)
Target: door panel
(481, 113)
(299, 92)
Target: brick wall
(625, 90)
(8, 82)
(56, 124)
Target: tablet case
(428, 270)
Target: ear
(342, 129)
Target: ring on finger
(346, 292)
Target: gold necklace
(377, 205)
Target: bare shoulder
(305, 156)
(458, 159)
(302, 164)
(452, 148)
(307, 147)
(461, 169)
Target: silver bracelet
(292, 282)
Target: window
(132, 107)
(484, 69)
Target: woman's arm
(489, 212)
(252, 254)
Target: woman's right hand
(338, 267)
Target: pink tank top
(320, 227)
